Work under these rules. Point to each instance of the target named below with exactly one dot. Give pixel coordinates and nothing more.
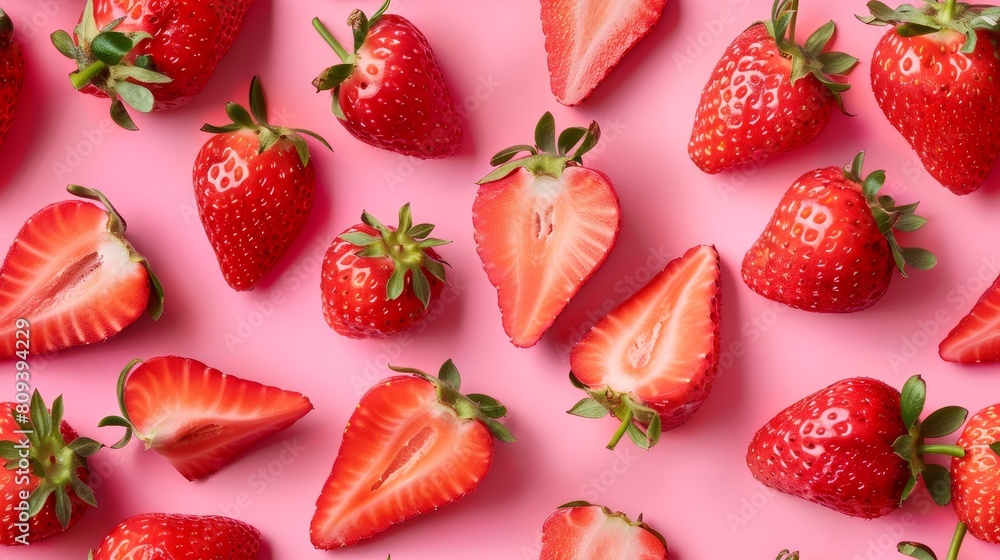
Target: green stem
(83, 77)
(949, 450)
(948, 12)
(626, 422)
(956, 541)
(330, 39)
(791, 23)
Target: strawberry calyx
(610, 513)
(102, 56)
(123, 421)
(548, 156)
(332, 77)
(931, 17)
(474, 406)
(830, 68)
(55, 462)
(641, 423)
(912, 447)
(117, 226)
(406, 245)
(786, 555)
(924, 552)
(256, 121)
(890, 218)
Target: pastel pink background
(694, 487)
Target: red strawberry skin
(834, 448)
(941, 101)
(976, 338)
(11, 74)
(540, 238)
(199, 418)
(403, 454)
(44, 524)
(586, 39)
(975, 478)
(163, 535)
(190, 37)
(589, 532)
(822, 226)
(73, 280)
(252, 205)
(750, 110)
(396, 99)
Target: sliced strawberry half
(583, 531)
(543, 225)
(74, 277)
(652, 360)
(586, 39)
(413, 445)
(976, 338)
(197, 417)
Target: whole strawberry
(856, 447)
(767, 95)
(380, 281)
(11, 74)
(936, 76)
(150, 54)
(254, 185)
(43, 486)
(390, 93)
(830, 246)
(164, 535)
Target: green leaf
(921, 259)
(938, 483)
(40, 416)
(449, 374)
(995, 447)
(420, 231)
(38, 498)
(589, 408)
(911, 483)
(903, 446)
(653, 430)
(258, 105)
(120, 115)
(232, 127)
(333, 77)
(371, 221)
(589, 141)
(394, 287)
(914, 29)
(499, 430)
(421, 287)
(239, 115)
(136, 96)
(916, 550)
(943, 421)
(910, 222)
(7, 451)
(301, 148)
(569, 138)
(120, 422)
(405, 220)
(637, 437)
(315, 136)
(819, 38)
(83, 491)
(431, 242)
(359, 27)
(84, 446)
(435, 268)
(110, 47)
(545, 133)
(58, 409)
(575, 381)
(488, 405)
(64, 44)
(359, 239)
(912, 399)
(507, 154)
(837, 63)
(64, 509)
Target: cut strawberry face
(74, 277)
(652, 360)
(976, 338)
(582, 531)
(543, 226)
(586, 39)
(197, 417)
(413, 444)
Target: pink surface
(694, 487)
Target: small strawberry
(43, 485)
(197, 417)
(164, 535)
(151, 55)
(390, 93)
(976, 338)
(73, 276)
(652, 360)
(936, 76)
(254, 184)
(768, 95)
(830, 247)
(856, 447)
(543, 224)
(583, 531)
(413, 444)
(585, 40)
(375, 278)
(11, 74)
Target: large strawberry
(544, 224)
(73, 276)
(830, 246)
(197, 417)
(254, 185)
(856, 447)
(165, 535)
(936, 76)
(413, 444)
(652, 360)
(390, 93)
(767, 95)
(11, 74)
(586, 39)
(150, 54)
(43, 484)
(976, 337)
(583, 531)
